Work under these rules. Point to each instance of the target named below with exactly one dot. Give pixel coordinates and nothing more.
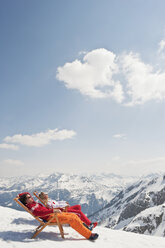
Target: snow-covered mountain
(149, 221)
(129, 204)
(92, 192)
(138, 208)
(17, 228)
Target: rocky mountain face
(138, 208)
(150, 221)
(92, 192)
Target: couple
(64, 217)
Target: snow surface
(17, 227)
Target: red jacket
(39, 210)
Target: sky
(82, 87)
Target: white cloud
(40, 139)
(161, 46)
(13, 162)
(119, 136)
(143, 84)
(8, 146)
(124, 78)
(94, 76)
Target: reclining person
(65, 218)
(71, 209)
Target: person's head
(26, 199)
(43, 196)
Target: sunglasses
(27, 197)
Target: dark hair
(23, 199)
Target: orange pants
(74, 221)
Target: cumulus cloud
(94, 76)
(13, 162)
(8, 146)
(124, 78)
(143, 84)
(40, 139)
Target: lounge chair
(43, 223)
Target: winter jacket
(39, 210)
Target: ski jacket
(39, 210)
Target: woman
(62, 205)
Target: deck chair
(43, 223)
(37, 195)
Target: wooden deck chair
(43, 223)
(37, 195)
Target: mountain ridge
(93, 192)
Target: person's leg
(81, 215)
(74, 221)
(75, 207)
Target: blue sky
(82, 86)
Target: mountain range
(93, 192)
(124, 203)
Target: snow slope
(17, 227)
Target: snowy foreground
(16, 228)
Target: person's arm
(41, 210)
(56, 204)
